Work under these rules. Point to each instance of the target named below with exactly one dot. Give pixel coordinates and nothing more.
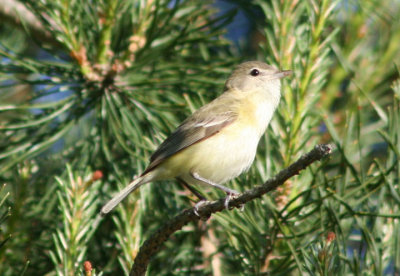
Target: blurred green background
(88, 89)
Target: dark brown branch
(151, 246)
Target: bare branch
(151, 246)
(18, 15)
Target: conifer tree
(89, 89)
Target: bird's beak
(283, 73)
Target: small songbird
(218, 141)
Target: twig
(151, 246)
(18, 15)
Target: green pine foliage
(89, 89)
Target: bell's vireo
(219, 141)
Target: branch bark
(151, 246)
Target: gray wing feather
(204, 123)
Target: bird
(219, 141)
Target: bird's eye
(254, 72)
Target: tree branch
(151, 246)
(18, 15)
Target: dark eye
(254, 72)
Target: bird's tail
(123, 193)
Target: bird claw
(228, 198)
(196, 210)
(201, 203)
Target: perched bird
(218, 141)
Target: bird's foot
(196, 210)
(229, 197)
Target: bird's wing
(204, 123)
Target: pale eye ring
(254, 72)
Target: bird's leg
(215, 185)
(202, 201)
(190, 188)
(230, 192)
